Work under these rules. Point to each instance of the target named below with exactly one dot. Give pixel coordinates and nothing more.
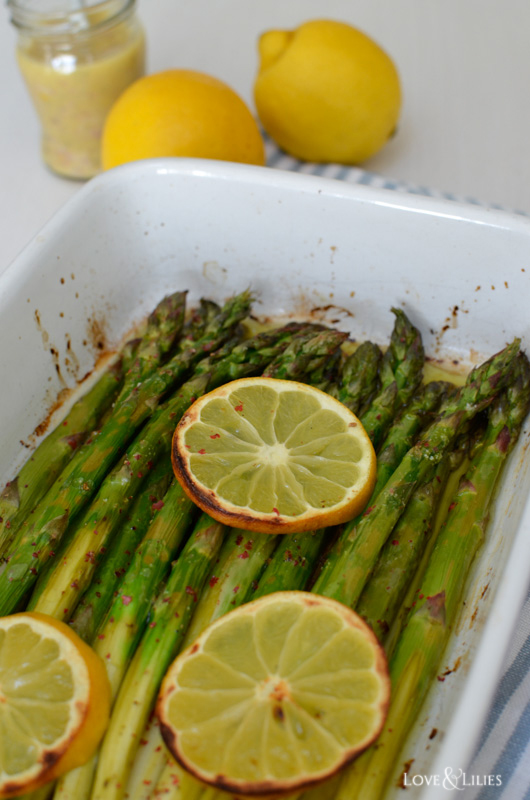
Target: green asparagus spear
(420, 647)
(241, 561)
(45, 464)
(123, 624)
(171, 615)
(291, 564)
(360, 377)
(164, 327)
(399, 439)
(327, 376)
(401, 373)
(350, 567)
(80, 480)
(400, 556)
(307, 353)
(198, 323)
(146, 770)
(98, 597)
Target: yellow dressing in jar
(76, 59)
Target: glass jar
(76, 57)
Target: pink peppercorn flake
(126, 599)
(158, 505)
(190, 590)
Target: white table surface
(464, 64)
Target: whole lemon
(326, 92)
(180, 113)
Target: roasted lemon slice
(275, 696)
(274, 456)
(54, 701)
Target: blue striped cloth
(277, 158)
(504, 747)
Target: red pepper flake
(140, 474)
(158, 505)
(249, 545)
(202, 451)
(451, 506)
(126, 599)
(65, 611)
(213, 580)
(190, 590)
(74, 585)
(239, 407)
(137, 457)
(152, 624)
(90, 557)
(395, 541)
(239, 539)
(96, 532)
(275, 511)
(215, 436)
(35, 555)
(187, 447)
(143, 742)
(440, 678)
(244, 554)
(368, 510)
(235, 589)
(33, 570)
(421, 596)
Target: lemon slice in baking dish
(274, 456)
(54, 701)
(275, 696)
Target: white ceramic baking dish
(301, 243)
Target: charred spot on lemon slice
(275, 696)
(274, 456)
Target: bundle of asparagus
(106, 540)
